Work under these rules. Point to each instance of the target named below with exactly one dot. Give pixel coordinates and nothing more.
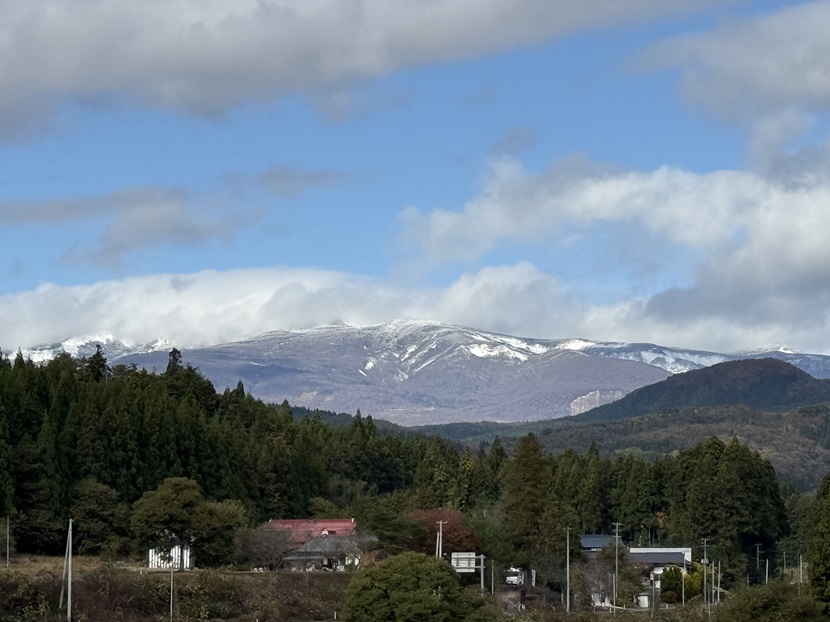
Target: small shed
(169, 559)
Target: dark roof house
(595, 542)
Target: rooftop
(301, 530)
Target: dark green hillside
(796, 443)
(765, 384)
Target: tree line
(83, 439)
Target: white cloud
(214, 307)
(768, 73)
(204, 56)
(761, 255)
(756, 66)
(517, 206)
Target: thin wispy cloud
(292, 181)
(206, 57)
(135, 218)
(515, 141)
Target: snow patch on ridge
(770, 349)
(81, 347)
(575, 344)
(483, 350)
(428, 362)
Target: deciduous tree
(411, 587)
(167, 516)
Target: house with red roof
(323, 544)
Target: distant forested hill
(766, 384)
(772, 406)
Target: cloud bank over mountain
(639, 171)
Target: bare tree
(265, 546)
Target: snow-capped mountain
(416, 372)
(82, 347)
(426, 372)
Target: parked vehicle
(514, 576)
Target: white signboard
(464, 562)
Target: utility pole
(616, 561)
(67, 576)
(69, 583)
(567, 568)
(705, 560)
(482, 574)
(171, 591)
(800, 573)
(713, 582)
(439, 540)
(758, 560)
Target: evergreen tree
(95, 367)
(591, 493)
(101, 520)
(527, 481)
(436, 474)
(6, 467)
(818, 555)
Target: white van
(514, 576)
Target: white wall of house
(687, 551)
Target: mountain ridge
(420, 373)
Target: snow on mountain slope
(416, 372)
(82, 347)
(426, 372)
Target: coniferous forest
(107, 446)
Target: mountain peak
(770, 349)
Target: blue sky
(206, 171)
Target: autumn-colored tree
(456, 534)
